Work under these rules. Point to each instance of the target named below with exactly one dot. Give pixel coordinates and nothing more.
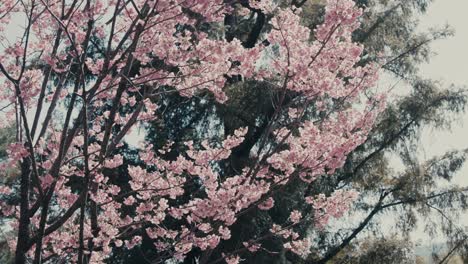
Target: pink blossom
(232, 260)
(267, 204)
(295, 216)
(252, 247)
(115, 162)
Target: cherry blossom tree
(85, 74)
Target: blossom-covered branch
(101, 68)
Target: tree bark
(24, 220)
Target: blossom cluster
(147, 48)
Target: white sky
(449, 65)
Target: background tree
(375, 250)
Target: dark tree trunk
(24, 220)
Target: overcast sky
(449, 65)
